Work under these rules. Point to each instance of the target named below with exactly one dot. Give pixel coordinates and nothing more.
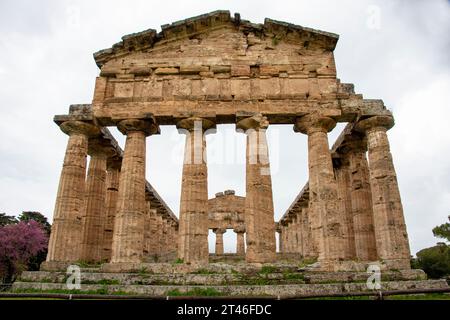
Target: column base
(260, 258)
(55, 265)
(359, 266)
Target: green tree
(6, 220)
(442, 231)
(435, 261)
(36, 216)
(35, 261)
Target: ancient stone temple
(217, 69)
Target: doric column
(128, 236)
(65, 238)
(283, 241)
(309, 250)
(154, 231)
(240, 241)
(342, 174)
(112, 187)
(390, 229)
(298, 234)
(259, 213)
(147, 229)
(219, 240)
(324, 210)
(174, 236)
(289, 236)
(193, 228)
(94, 219)
(159, 233)
(164, 239)
(354, 148)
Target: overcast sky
(395, 50)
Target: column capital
(195, 123)
(255, 122)
(148, 126)
(219, 230)
(114, 162)
(314, 123)
(354, 142)
(79, 127)
(375, 123)
(99, 146)
(239, 229)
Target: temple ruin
(219, 69)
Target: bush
(435, 261)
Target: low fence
(376, 295)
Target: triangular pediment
(271, 33)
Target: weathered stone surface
(65, 238)
(219, 240)
(389, 223)
(193, 226)
(259, 220)
(325, 217)
(112, 188)
(128, 238)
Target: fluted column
(355, 148)
(298, 233)
(283, 241)
(193, 222)
(128, 239)
(159, 233)
(308, 245)
(259, 212)
(154, 231)
(112, 187)
(389, 223)
(324, 210)
(147, 229)
(65, 237)
(219, 240)
(240, 240)
(342, 174)
(94, 217)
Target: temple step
(227, 290)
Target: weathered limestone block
(166, 71)
(219, 240)
(65, 237)
(324, 213)
(240, 71)
(128, 238)
(390, 229)
(193, 69)
(259, 214)
(193, 225)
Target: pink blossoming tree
(18, 244)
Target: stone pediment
(197, 28)
(216, 66)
